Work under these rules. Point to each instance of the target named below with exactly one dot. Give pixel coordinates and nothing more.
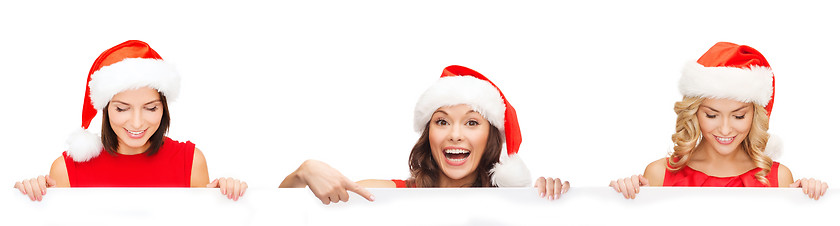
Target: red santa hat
(461, 85)
(130, 65)
(736, 72)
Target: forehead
(137, 96)
(460, 109)
(725, 104)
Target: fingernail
(372, 198)
(556, 196)
(542, 195)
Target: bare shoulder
(377, 183)
(655, 171)
(198, 157)
(58, 172)
(785, 177)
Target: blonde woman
(721, 137)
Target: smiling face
(458, 136)
(724, 124)
(134, 116)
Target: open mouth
(456, 156)
(135, 134)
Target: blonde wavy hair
(688, 135)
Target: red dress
(693, 178)
(169, 167)
(400, 183)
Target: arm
(198, 174)
(377, 183)
(655, 172)
(326, 183)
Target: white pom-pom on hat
(83, 145)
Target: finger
(230, 186)
(325, 200)
(19, 186)
(813, 188)
(634, 180)
(549, 188)
(50, 182)
(540, 185)
(796, 184)
(334, 198)
(28, 189)
(623, 188)
(236, 187)
(358, 189)
(644, 181)
(223, 185)
(244, 187)
(214, 184)
(42, 185)
(614, 185)
(566, 187)
(823, 188)
(343, 196)
(36, 189)
(558, 188)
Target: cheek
(478, 141)
(706, 125)
(153, 118)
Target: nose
(136, 120)
(726, 127)
(455, 134)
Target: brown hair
(109, 138)
(426, 173)
(688, 135)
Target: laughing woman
(721, 137)
(130, 84)
(464, 121)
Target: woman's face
(724, 123)
(134, 116)
(458, 135)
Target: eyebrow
(120, 102)
(471, 111)
(715, 110)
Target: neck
(126, 150)
(707, 153)
(446, 182)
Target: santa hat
(736, 72)
(130, 65)
(461, 85)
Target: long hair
(425, 171)
(688, 136)
(110, 141)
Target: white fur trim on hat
(510, 172)
(774, 147)
(746, 85)
(133, 73)
(482, 96)
(83, 145)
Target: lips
(135, 134)
(456, 156)
(724, 140)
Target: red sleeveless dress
(400, 183)
(169, 167)
(689, 177)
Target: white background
(266, 86)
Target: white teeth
(725, 139)
(456, 151)
(457, 160)
(136, 133)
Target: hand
(36, 188)
(812, 187)
(230, 187)
(629, 187)
(328, 184)
(554, 187)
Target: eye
(441, 122)
(740, 117)
(472, 123)
(119, 109)
(710, 116)
(153, 108)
